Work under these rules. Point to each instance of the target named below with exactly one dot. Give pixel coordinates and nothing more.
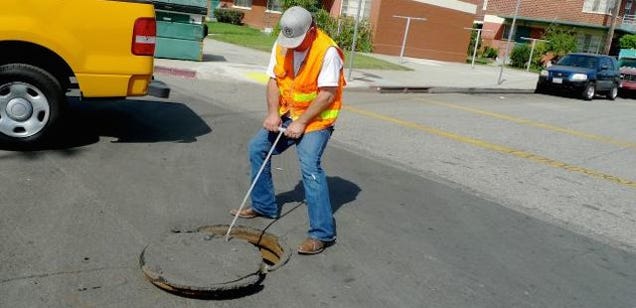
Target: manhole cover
(201, 261)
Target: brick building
(591, 20)
(441, 37)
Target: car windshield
(579, 61)
(627, 62)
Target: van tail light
(144, 37)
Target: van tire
(613, 92)
(28, 95)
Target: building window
(589, 43)
(485, 7)
(521, 31)
(243, 3)
(350, 8)
(598, 6)
(274, 6)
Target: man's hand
(295, 130)
(272, 122)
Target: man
(304, 94)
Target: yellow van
(103, 47)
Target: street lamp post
(476, 43)
(406, 31)
(512, 30)
(534, 43)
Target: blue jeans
(309, 148)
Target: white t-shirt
(329, 72)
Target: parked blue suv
(583, 75)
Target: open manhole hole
(201, 262)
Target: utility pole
(355, 38)
(500, 79)
(612, 27)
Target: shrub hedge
(229, 16)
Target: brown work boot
(311, 246)
(246, 213)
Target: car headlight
(578, 77)
(543, 73)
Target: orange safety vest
(298, 92)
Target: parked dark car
(584, 75)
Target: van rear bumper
(158, 88)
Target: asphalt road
(441, 201)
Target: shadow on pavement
(126, 120)
(341, 192)
(222, 295)
(213, 58)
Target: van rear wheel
(613, 92)
(30, 102)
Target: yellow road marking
(261, 78)
(571, 132)
(495, 147)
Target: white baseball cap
(294, 25)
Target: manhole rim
(239, 231)
(270, 247)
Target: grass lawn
(254, 38)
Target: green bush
(540, 49)
(520, 55)
(342, 30)
(229, 16)
(560, 41)
(490, 52)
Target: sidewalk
(222, 60)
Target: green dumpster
(181, 29)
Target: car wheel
(30, 102)
(613, 93)
(540, 89)
(589, 91)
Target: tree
(473, 36)
(310, 5)
(628, 41)
(561, 40)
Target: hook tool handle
(281, 130)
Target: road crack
(46, 275)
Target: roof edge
(560, 22)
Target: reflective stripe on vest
(329, 114)
(305, 97)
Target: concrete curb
(180, 72)
(358, 87)
(471, 90)
(442, 90)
